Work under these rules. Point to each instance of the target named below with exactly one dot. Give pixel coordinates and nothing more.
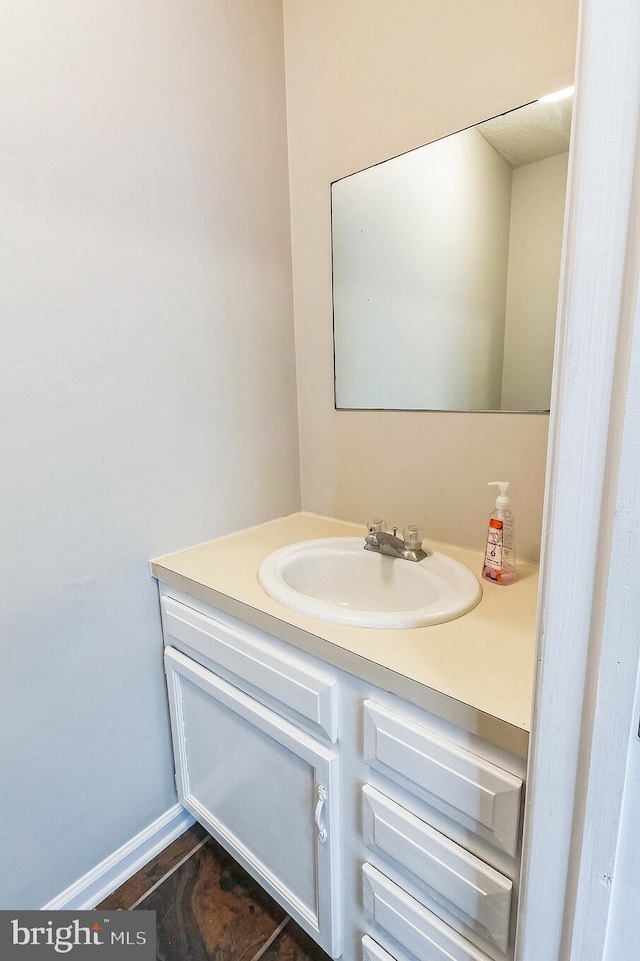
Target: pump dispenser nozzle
(502, 501)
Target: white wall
(368, 80)
(420, 248)
(535, 244)
(146, 384)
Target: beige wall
(535, 244)
(147, 385)
(367, 80)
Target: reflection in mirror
(446, 264)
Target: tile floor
(209, 909)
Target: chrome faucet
(381, 541)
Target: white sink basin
(336, 580)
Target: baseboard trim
(107, 876)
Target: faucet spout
(384, 543)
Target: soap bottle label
(507, 543)
(493, 553)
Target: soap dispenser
(500, 553)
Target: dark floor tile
(211, 910)
(150, 874)
(294, 945)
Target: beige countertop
(476, 671)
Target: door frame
(585, 717)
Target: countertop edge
(497, 731)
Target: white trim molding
(586, 678)
(107, 876)
(611, 749)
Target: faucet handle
(413, 537)
(376, 526)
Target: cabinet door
(265, 790)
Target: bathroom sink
(335, 579)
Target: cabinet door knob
(322, 830)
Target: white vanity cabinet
(385, 831)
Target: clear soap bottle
(500, 553)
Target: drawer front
(410, 923)
(476, 897)
(467, 788)
(373, 952)
(255, 659)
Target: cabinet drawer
(467, 788)
(410, 923)
(254, 659)
(373, 952)
(476, 898)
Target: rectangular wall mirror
(446, 263)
